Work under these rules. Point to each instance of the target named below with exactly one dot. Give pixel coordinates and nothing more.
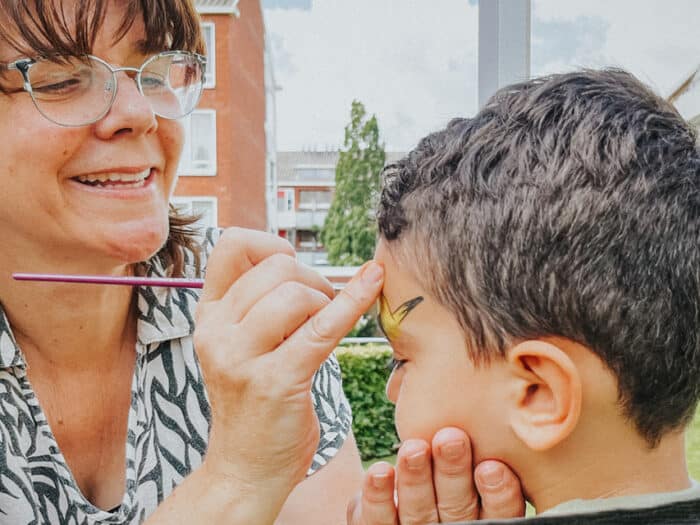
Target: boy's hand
(436, 488)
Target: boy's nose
(393, 385)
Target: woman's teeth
(123, 180)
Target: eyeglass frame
(23, 65)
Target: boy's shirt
(578, 506)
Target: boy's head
(555, 240)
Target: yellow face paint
(389, 321)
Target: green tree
(349, 232)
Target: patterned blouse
(168, 422)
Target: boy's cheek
(420, 414)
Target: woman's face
(59, 207)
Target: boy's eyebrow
(389, 321)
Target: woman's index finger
(236, 252)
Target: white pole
(504, 44)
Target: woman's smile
(118, 183)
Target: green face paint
(389, 321)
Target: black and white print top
(168, 421)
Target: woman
(103, 410)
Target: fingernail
(380, 481)
(453, 449)
(491, 476)
(372, 273)
(417, 461)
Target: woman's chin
(134, 246)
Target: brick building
(227, 166)
(305, 189)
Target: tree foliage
(349, 232)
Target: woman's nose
(130, 111)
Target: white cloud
(411, 64)
(414, 62)
(657, 41)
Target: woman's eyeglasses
(77, 91)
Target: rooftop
(314, 167)
(686, 97)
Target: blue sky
(413, 63)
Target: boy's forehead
(400, 284)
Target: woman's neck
(67, 323)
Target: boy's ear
(546, 402)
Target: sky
(413, 63)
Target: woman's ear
(546, 401)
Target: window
(209, 32)
(285, 200)
(306, 239)
(199, 151)
(205, 207)
(315, 200)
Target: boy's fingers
(376, 505)
(457, 499)
(236, 252)
(500, 491)
(311, 344)
(416, 495)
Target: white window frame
(289, 198)
(186, 201)
(189, 169)
(210, 74)
(218, 7)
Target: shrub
(365, 373)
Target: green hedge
(365, 373)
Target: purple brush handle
(168, 282)
(106, 279)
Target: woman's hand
(436, 483)
(265, 324)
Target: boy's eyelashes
(395, 364)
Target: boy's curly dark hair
(568, 206)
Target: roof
(291, 165)
(686, 97)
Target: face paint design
(389, 321)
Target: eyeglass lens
(78, 91)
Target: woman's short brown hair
(40, 28)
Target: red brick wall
(239, 101)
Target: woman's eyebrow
(389, 320)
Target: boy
(542, 289)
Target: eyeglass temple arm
(22, 66)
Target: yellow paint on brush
(389, 321)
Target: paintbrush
(167, 282)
